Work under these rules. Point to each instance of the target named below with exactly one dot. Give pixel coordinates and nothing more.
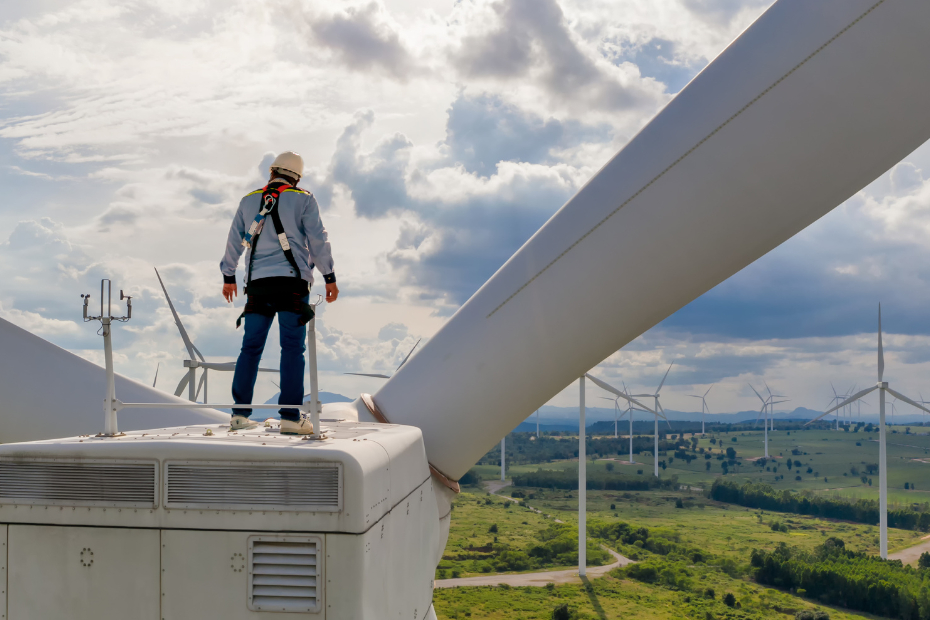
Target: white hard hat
(290, 162)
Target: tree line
(851, 579)
(761, 495)
(596, 480)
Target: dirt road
(911, 554)
(536, 579)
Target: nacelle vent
(62, 482)
(285, 573)
(311, 487)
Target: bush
(924, 560)
(729, 600)
(812, 614)
(709, 593)
(562, 612)
(493, 528)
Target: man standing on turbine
(279, 273)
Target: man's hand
(231, 290)
(332, 292)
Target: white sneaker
(239, 422)
(301, 427)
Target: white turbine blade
(907, 400)
(260, 369)
(695, 396)
(365, 374)
(659, 389)
(603, 385)
(767, 388)
(408, 355)
(756, 423)
(881, 353)
(177, 320)
(197, 351)
(757, 393)
(159, 366)
(182, 384)
(709, 389)
(222, 366)
(632, 400)
(203, 377)
(851, 399)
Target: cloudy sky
(438, 137)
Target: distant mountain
(566, 418)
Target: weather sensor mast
(110, 428)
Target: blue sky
(438, 137)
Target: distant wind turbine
(380, 376)
(882, 387)
(771, 408)
(704, 408)
(196, 359)
(763, 412)
(657, 412)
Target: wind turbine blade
(757, 393)
(259, 370)
(159, 366)
(603, 385)
(182, 384)
(177, 320)
(881, 353)
(659, 389)
(695, 396)
(197, 351)
(709, 389)
(851, 399)
(907, 400)
(203, 377)
(408, 355)
(365, 374)
(767, 388)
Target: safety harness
(269, 202)
(269, 305)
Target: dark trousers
(293, 345)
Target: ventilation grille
(78, 483)
(285, 573)
(254, 486)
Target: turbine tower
(882, 387)
(658, 409)
(704, 408)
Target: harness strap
(269, 201)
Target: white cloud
(438, 137)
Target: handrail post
(314, 380)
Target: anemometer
(109, 411)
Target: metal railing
(112, 405)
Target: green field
(831, 455)
(727, 532)
(614, 597)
